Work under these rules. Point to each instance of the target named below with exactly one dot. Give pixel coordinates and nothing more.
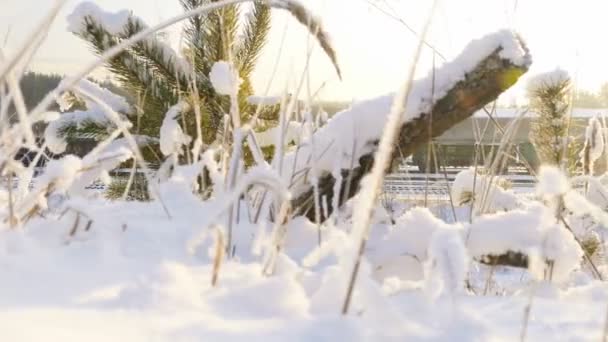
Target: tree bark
(490, 78)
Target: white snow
(97, 167)
(520, 230)
(113, 22)
(294, 133)
(547, 79)
(552, 181)
(484, 190)
(56, 143)
(116, 270)
(172, 137)
(446, 269)
(225, 78)
(118, 103)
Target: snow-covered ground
(239, 263)
(135, 275)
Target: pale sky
(374, 49)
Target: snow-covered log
(485, 69)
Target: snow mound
(225, 78)
(113, 22)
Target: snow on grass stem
(194, 96)
(596, 271)
(251, 140)
(314, 179)
(277, 238)
(255, 176)
(369, 191)
(231, 180)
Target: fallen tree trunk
(483, 83)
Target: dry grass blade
(313, 23)
(219, 255)
(369, 191)
(75, 226)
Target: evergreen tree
(34, 87)
(157, 78)
(549, 98)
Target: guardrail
(413, 183)
(407, 183)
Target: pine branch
(132, 72)
(219, 34)
(193, 32)
(147, 73)
(255, 32)
(87, 129)
(160, 57)
(306, 18)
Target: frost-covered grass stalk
(594, 146)
(495, 164)
(219, 255)
(373, 182)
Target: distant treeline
(35, 86)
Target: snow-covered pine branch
(90, 122)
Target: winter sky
(373, 46)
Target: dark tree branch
(490, 78)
